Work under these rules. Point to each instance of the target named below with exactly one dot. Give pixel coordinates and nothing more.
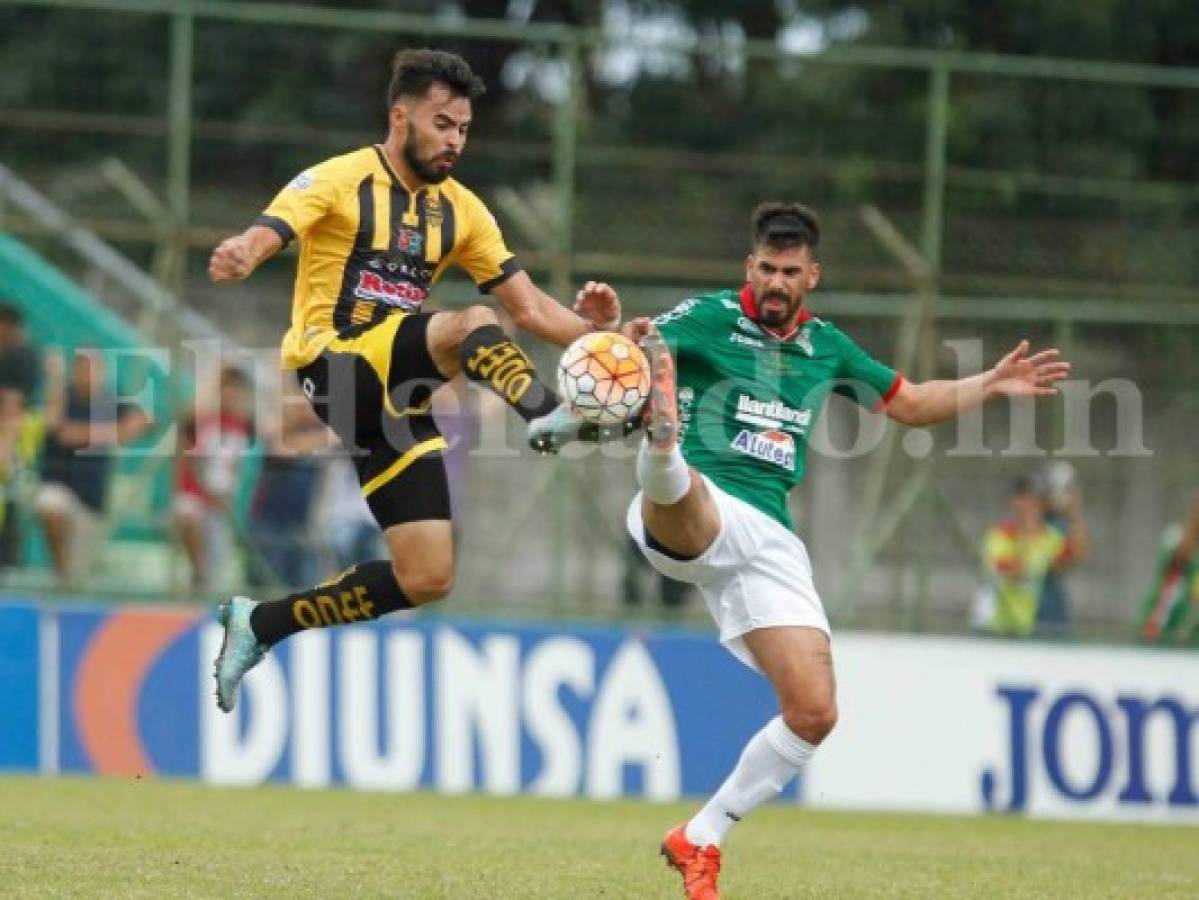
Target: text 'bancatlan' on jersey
(748, 401)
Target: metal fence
(1079, 244)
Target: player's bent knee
(475, 317)
(812, 721)
(425, 585)
(448, 330)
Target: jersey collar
(749, 306)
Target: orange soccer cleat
(661, 410)
(699, 866)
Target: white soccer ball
(604, 377)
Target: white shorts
(755, 575)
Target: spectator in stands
(215, 441)
(20, 376)
(1063, 511)
(84, 427)
(280, 515)
(1171, 607)
(1018, 553)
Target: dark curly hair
(413, 72)
(782, 226)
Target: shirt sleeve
(681, 327)
(306, 199)
(863, 378)
(483, 253)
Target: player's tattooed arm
(235, 258)
(1016, 375)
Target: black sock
(489, 357)
(360, 593)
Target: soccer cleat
(699, 866)
(240, 650)
(551, 432)
(662, 409)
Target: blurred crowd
(272, 503)
(1027, 555)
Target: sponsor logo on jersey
(373, 286)
(774, 447)
(411, 243)
(395, 264)
(678, 312)
(736, 337)
(748, 325)
(771, 414)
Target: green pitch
(70, 838)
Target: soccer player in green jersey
(729, 420)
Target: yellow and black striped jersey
(370, 245)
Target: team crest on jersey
(774, 447)
(410, 242)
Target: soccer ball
(604, 377)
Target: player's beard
(778, 318)
(424, 167)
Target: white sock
(769, 761)
(664, 477)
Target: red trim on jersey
(749, 306)
(891, 392)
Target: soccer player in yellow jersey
(377, 227)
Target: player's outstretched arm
(1016, 375)
(542, 316)
(235, 258)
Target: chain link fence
(1052, 200)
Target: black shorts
(373, 386)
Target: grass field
(74, 838)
